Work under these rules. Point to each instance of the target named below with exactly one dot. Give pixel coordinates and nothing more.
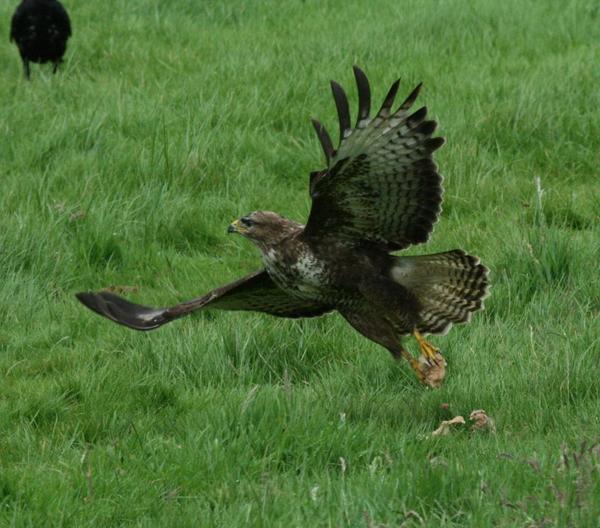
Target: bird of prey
(379, 193)
(40, 28)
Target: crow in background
(40, 28)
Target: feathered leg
(400, 352)
(376, 327)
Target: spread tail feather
(450, 287)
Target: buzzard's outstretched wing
(256, 292)
(381, 186)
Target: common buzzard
(379, 193)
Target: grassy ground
(168, 120)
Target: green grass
(168, 120)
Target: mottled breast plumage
(297, 270)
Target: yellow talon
(427, 349)
(429, 369)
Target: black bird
(40, 28)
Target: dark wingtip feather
(364, 94)
(417, 117)
(324, 139)
(426, 128)
(92, 301)
(343, 110)
(408, 102)
(389, 99)
(315, 177)
(432, 144)
(122, 311)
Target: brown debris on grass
(481, 421)
(446, 426)
(479, 418)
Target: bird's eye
(246, 221)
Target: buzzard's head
(264, 227)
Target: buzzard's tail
(450, 286)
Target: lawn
(170, 119)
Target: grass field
(168, 120)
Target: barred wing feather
(255, 292)
(381, 185)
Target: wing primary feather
(255, 292)
(124, 312)
(325, 140)
(408, 102)
(432, 144)
(343, 110)
(426, 128)
(358, 197)
(364, 94)
(389, 99)
(314, 179)
(417, 117)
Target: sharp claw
(429, 367)
(427, 348)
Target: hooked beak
(234, 227)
